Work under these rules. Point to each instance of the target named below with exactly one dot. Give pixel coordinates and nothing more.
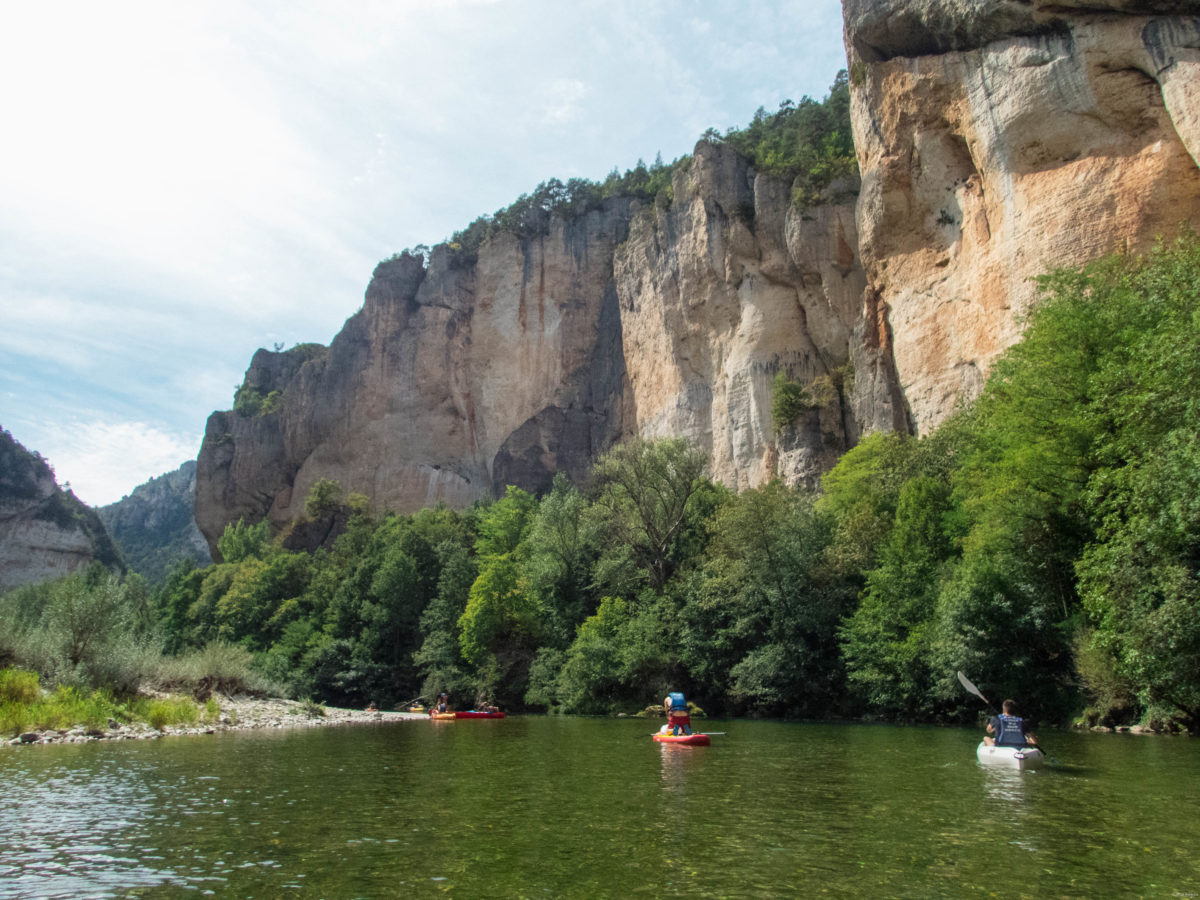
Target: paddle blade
(965, 682)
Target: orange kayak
(688, 740)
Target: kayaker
(1008, 728)
(677, 714)
(443, 704)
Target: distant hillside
(45, 532)
(155, 525)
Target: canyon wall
(155, 524)
(45, 531)
(995, 139)
(469, 372)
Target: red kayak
(689, 740)
(476, 714)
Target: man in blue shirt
(1008, 728)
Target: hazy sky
(183, 183)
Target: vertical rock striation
(996, 139)
(474, 371)
(999, 139)
(723, 289)
(532, 356)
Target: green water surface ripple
(554, 807)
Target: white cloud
(103, 461)
(561, 104)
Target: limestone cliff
(999, 139)
(995, 139)
(45, 532)
(155, 525)
(532, 355)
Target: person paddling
(1008, 728)
(677, 714)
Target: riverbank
(236, 714)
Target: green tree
(788, 401)
(439, 659)
(644, 490)
(888, 639)
(1139, 578)
(501, 627)
(240, 541)
(87, 630)
(324, 498)
(779, 605)
(557, 554)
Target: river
(580, 807)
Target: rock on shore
(237, 714)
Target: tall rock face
(532, 356)
(728, 286)
(45, 532)
(996, 140)
(999, 139)
(155, 525)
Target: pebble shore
(237, 714)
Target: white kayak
(1028, 757)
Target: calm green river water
(549, 807)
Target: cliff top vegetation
(809, 142)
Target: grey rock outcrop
(155, 524)
(45, 532)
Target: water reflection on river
(593, 807)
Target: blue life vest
(1010, 731)
(678, 704)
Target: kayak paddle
(966, 682)
(971, 689)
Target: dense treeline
(1045, 539)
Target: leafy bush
(18, 687)
(240, 541)
(312, 709)
(219, 668)
(90, 630)
(63, 709)
(161, 712)
(323, 498)
(789, 400)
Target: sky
(183, 183)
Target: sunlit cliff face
(999, 140)
(996, 139)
